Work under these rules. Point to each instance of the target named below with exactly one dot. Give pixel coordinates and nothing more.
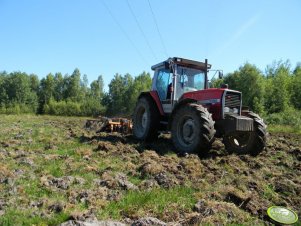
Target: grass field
(52, 170)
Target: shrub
(17, 108)
(290, 117)
(69, 108)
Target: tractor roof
(183, 62)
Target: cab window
(163, 80)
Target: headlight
(226, 109)
(230, 110)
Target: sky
(105, 37)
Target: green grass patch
(135, 180)
(155, 202)
(55, 168)
(69, 150)
(269, 192)
(284, 129)
(33, 189)
(116, 164)
(25, 217)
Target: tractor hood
(213, 95)
(215, 99)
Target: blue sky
(103, 36)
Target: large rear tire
(247, 142)
(192, 129)
(146, 120)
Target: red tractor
(180, 101)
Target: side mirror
(224, 86)
(220, 74)
(166, 65)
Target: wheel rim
(141, 121)
(240, 140)
(144, 120)
(186, 131)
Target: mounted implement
(104, 124)
(180, 101)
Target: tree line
(273, 91)
(69, 95)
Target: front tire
(192, 129)
(146, 120)
(247, 142)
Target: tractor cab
(176, 76)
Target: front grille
(232, 100)
(231, 104)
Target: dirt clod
(148, 185)
(56, 207)
(91, 223)
(61, 183)
(150, 168)
(165, 181)
(105, 146)
(118, 181)
(202, 207)
(148, 221)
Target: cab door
(163, 87)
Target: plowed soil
(52, 170)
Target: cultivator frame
(105, 124)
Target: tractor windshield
(189, 79)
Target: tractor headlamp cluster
(230, 110)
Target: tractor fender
(155, 97)
(178, 105)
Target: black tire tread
(207, 128)
(152, 133)
(261, 134)
(258, 140)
